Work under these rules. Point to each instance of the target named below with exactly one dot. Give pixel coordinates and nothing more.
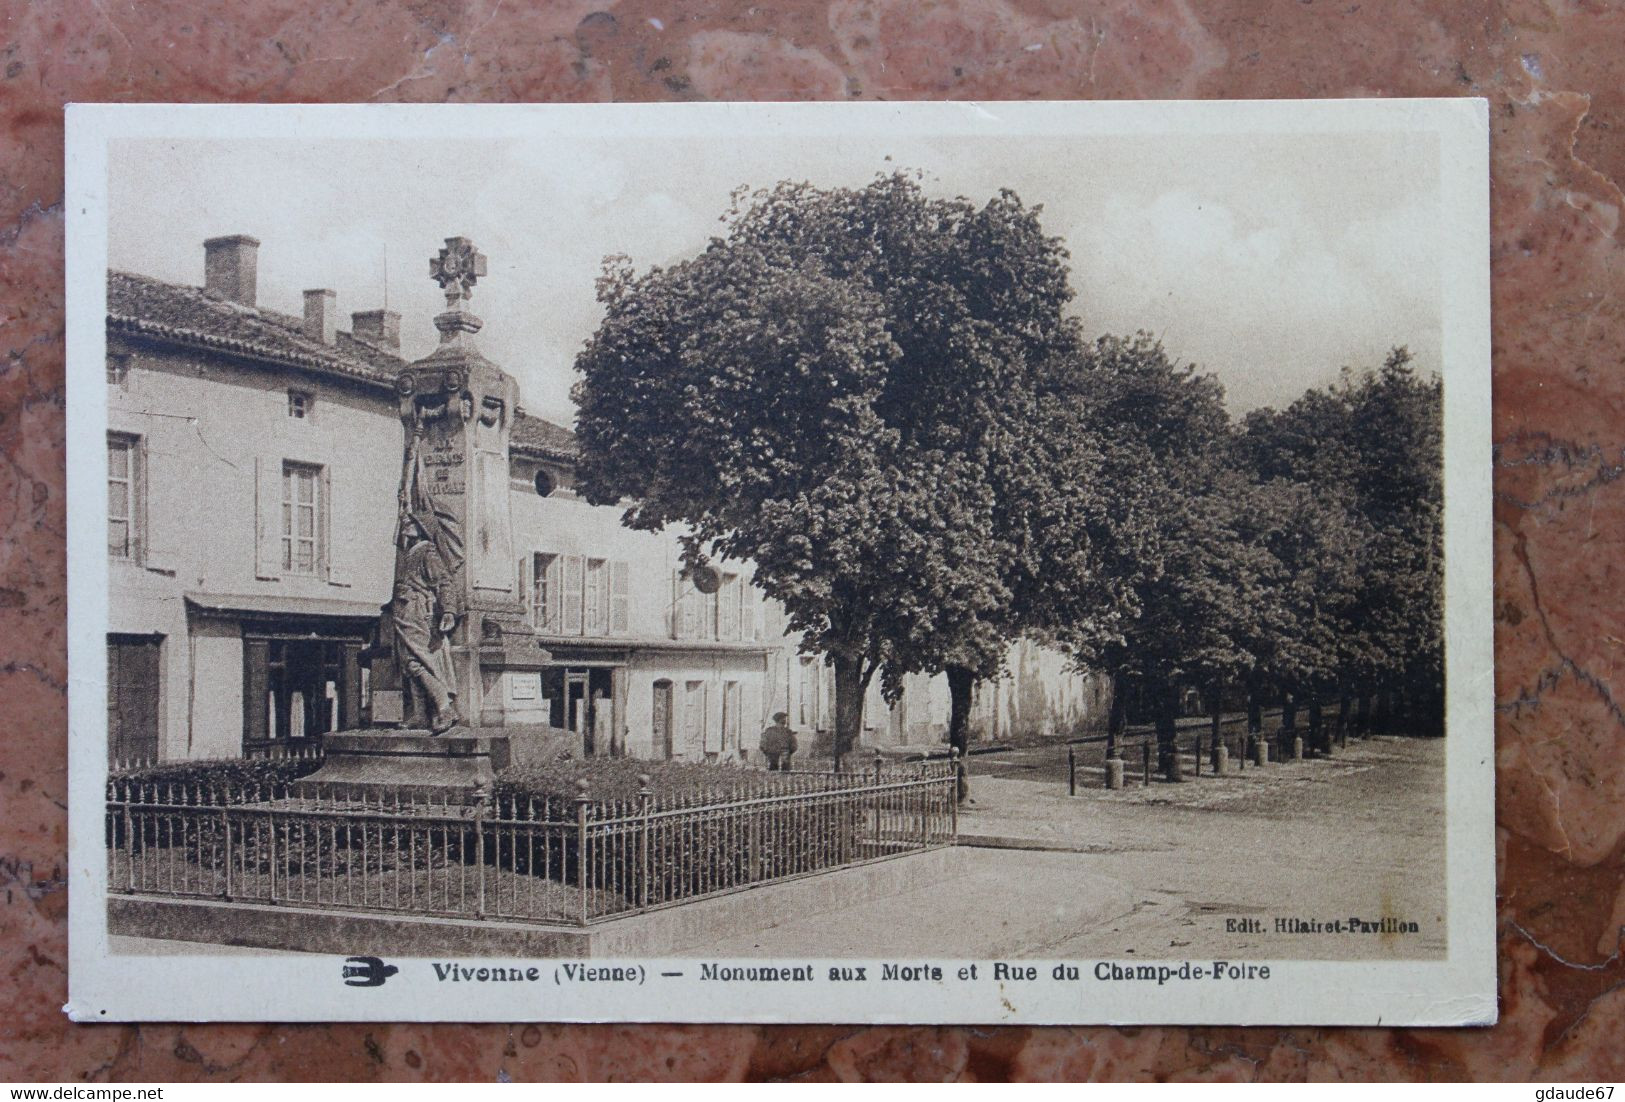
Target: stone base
(462, 758)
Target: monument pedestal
(462, 759)
(458, 762)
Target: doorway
(581, 699)
(132, 698)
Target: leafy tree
(1368, 605)
(841, 389)
(1172, 549)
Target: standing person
(424, 616)
(779, 743)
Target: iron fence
(535, 859)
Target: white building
(253, 460)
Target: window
(302, 534)
(124, 496)
(118, 368)
(727, 614)
(301, 404)
(572, 595)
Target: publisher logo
(367, 972)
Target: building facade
(253, 462)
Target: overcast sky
(1269, 260)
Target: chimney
(379, 328)
(321, 316)
(229, 267)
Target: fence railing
(535, 859)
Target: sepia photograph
(887, 562)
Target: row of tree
(884, 400)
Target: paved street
(1159, 871)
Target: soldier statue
(424, 614)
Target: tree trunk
(1362, 714)
(1117, 720)
(1380, 718)
(1314, 738)
(1215, 705)
(1255, 719)
(1168, 732)
(1289, 725)
(1343, 704)
(849, 689)
(960, 683)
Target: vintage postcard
(965, 563)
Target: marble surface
(1555, 78)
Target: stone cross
(457, 268)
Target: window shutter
(256, 682)
(728, 607)
(619, 611)
(751, 719)
(552, 575)
(694, 719)
(674, 610)
(596, 611)
(326, 546)
(521, 580)
(138, 499)
(685, 613)
(267, 518)
(750, 601)
(711, 729)
(570, 597)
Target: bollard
(1261, 751)
(1221, 760)
(1297, 747)
(1114, 772)
(1071, 771)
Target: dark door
(132, 698)
(662, 719)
